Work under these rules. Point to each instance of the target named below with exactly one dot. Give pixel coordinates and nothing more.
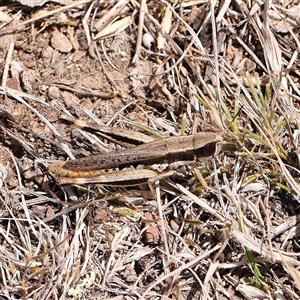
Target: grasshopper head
(56, 169)
(207, 146)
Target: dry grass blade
(45, 15)
(110, 15)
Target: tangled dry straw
(83, 77)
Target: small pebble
(148, 40)
(60, 42)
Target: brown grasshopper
(123, 167)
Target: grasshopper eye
(208, 150)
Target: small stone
(78, 55)
(53, 92)
(13, 83)
(148, 40)
(60, 42)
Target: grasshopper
(123, 167)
